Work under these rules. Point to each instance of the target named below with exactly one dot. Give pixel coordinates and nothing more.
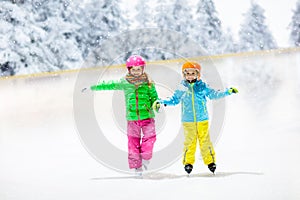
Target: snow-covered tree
(164, 19)
(16, 1)
(91, 31)
(183, 17)
(164, 15)
(20, 41)
(59, 43)
(177, 17)
(99, 20)
(228, 43)
(295, 26)
(34, 40)
(208, 30)
(254, 34)
(112, 16)
(126, 14)
(144, 16)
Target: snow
(43, 157)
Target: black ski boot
(212, 167)
(188, 168)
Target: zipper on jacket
(193, 103)
(204, 107)
(137, 103)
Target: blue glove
(233, 90)
(156, 106)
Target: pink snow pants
(140, 146)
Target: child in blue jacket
(192, 94)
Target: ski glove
(156, 106)
(233, 90)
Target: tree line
(43, 35)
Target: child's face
(136, 70)
(190, 74)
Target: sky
(278, 16)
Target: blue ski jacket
(193, 98)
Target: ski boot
(212, 167)
(188, 168)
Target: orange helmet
(191, 65)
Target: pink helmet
(135, 60)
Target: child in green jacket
(140, 94)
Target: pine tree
(183, 17)
(164, 20)
(36, 39)
(112, 17)
(177, 17)
(99, 20)
(229, 44)
(208, 29)
(144, 16)
(254, 33)
(18, 1)
(295, 26)
(144, 19)
(59, 44)
(21, 50)
(163, 15)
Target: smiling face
(136, 70)
(190, 74)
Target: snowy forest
(51, 35)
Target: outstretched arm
(214, 94)
(108, 85)
(176, 97)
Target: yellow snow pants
(194, 131)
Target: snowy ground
(42, 156)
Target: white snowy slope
(42, 156)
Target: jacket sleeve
(176, 98)
(214, 94)
(108, 85)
